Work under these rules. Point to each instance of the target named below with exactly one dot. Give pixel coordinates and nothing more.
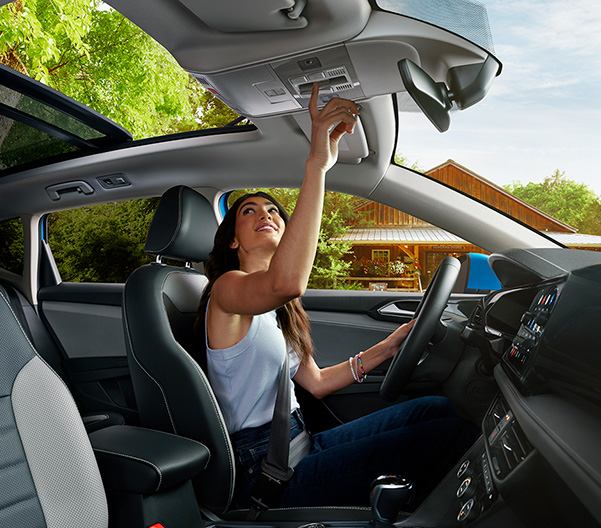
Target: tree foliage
(11, 245)
(101, 243)
(574, 203)
(403, 161)
(93, 54)
(331, 264)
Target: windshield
(536, 134)
(466, 18)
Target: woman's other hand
(328, 125)
(398, 336)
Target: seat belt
(282, 454)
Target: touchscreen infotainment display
(557, 346)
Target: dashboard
(542, 432)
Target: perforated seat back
(48, 473)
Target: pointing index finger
(313, 101)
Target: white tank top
(245, 376)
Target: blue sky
(542, 113)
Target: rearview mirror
(468, 83)
(431, 97)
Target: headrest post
(159, 259)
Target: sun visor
(237, 16)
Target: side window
(101, 243)
(365, 245)
(12, 249)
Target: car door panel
(85, 319)
(86, 330)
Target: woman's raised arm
(270, 277)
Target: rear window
(101, 243)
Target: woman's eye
(246, 211)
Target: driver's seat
(171, 389)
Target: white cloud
(541, 113)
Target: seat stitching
(31, 345)
(176, 436)
(13, 465)
(33, 497)
(131, 347)
(137, 459)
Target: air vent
(336, 72)
(342, 87)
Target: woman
(252, 317)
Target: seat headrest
(183, 226)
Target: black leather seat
(172, 391)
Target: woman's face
(258, 224)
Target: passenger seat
(49, 476)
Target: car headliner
(273, 154)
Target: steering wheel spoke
(428, 316)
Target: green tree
(403, 161)
(93, 54)
(101, 243)
(339, 214)
(574, 203)
(11, 245)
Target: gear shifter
(389, 495)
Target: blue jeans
(419, 439)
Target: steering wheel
(428, 315)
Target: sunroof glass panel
(46, 113)
(21, 144)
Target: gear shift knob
(389, 495)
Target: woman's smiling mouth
(266, 227)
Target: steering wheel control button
(464, 487)
(463, 468)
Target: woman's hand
(334, 120)
(398, 336)
(322, 382)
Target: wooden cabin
(394, 236)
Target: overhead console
(262, 57)
(347, 70)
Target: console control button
(463, 468)
(487, 476)
(464, 487)
(465, 510)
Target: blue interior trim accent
(223, 203)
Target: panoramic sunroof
(37, 123)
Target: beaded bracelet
(360, 364)
(350, 362)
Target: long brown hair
(292, 318)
